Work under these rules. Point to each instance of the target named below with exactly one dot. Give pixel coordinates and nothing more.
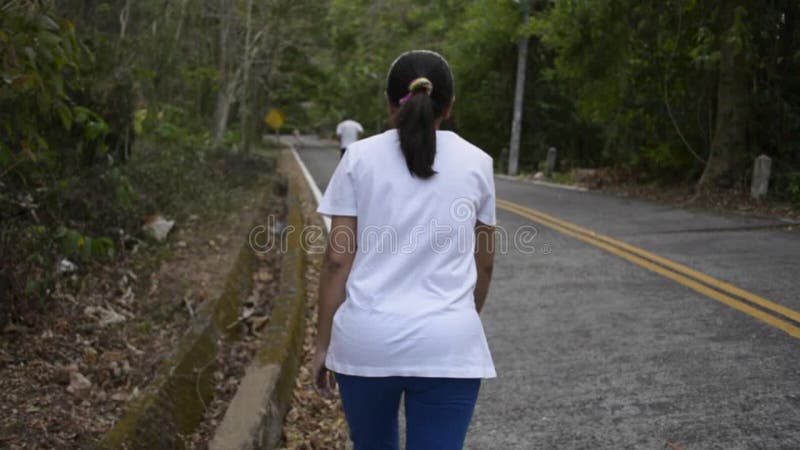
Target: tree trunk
(729, 144)
(124, 15)
(247, 60)
(223, 110)
(225, 94)
(181, 20)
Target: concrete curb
(541, 183)
(254, 418)
(173, 404)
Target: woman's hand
(323, 379)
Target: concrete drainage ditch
(173, 405)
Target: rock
(538, 176)
(157, 227)
(79, 385)
(66, 266)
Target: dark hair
(420, 86)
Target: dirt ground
(66, 374)
(735, 201)
(623, 183)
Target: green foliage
(347, 75)
(125, 194)
(482, 50)
(626, 62)
(620, 83)
(75, 245)
(646, 74)
(43, 125)
(794, 188)
(609, 82)
(787, 184)
(80, 82)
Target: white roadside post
(551, 162)
(761, 173)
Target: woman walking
(407, 270)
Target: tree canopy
(684, 92)
(674, 89)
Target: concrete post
(551, 162)
(761, 172)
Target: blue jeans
(438, 411)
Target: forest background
(111, 109)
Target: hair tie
(418, 85)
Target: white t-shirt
(410, 306)
(348, 132)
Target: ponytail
(419, 89)
(416, 125)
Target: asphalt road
(597, 349)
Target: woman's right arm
(484, 262)
(336, 267)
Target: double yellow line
(768, 311)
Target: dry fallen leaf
(313, 423)
(259, 322)
(264, 275)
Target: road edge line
(311, 183)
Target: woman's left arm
(339, 256)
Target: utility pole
(519, 93)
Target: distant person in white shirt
(348, 131)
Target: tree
(729, 145)
(228, 76)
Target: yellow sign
(275, 119)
